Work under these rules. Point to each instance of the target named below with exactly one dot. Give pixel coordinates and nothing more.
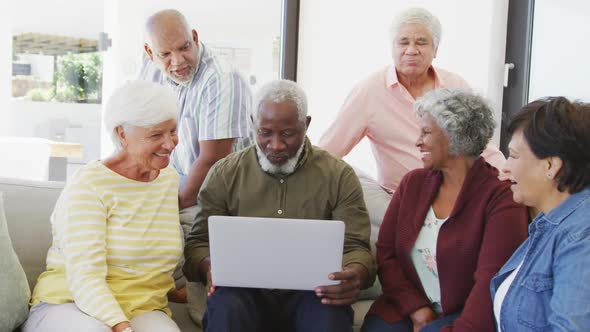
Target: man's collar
(202, 53)
(305, 153)
(391, 78)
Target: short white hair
(419, 16)
(139, 104)
(280, 91)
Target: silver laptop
(274, 253)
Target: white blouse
(423, 256)
(501, 294)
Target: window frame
(290, 40)
(519, 39)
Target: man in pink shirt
(381, 106)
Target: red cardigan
(481, 233)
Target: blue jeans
(232, 309)
(375, 324)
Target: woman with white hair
(450, 226)
(385, 99)
(116, 234)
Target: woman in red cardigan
(449, 227)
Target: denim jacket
(551, 292)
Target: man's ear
(148, 51)
(307, 121)
(195, 37)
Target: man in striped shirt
(214, 100)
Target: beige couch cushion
(377, 201)
(14, 289)
(28, 206)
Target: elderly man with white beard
(283, 176)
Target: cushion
(181, 317)
(377, 200)
(197, 302)
(14, 289)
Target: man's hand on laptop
(352, 278)
(205, 271)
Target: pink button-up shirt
(381, 109)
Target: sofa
(28, 205)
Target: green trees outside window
(77, 78)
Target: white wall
(559, 59)
(5, 66)
(79, 123)
(340, 42)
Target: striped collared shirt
(215, 104)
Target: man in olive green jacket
(283, 176)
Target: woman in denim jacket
(545, 285)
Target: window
(559, 53)
(52, 106)
(52, 112)
(548, 55)
(56, 68)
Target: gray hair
(420, 16)
(280, 91)
(164, 15)
(465, 118)
(138, 104)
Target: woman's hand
(121, 326)
(422, 317)
(178, 295)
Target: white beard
(285, 169)
(191, 76)
(185, 83)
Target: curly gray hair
(280, 91)
(420, 16)
(466, 119)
